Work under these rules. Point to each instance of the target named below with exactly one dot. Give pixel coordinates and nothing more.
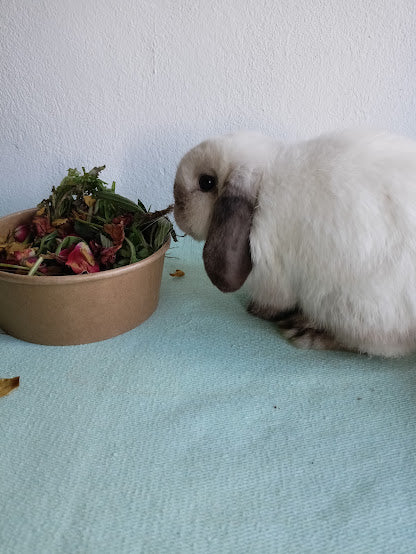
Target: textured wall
(134, 84)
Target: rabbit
(322, 231)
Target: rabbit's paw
(302, 333)
(268, 313)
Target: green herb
(36, 266)
(85, 226)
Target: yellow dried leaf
(79, 215)
(41, 210)
(16, 247)
(7, 385)
(178, 273)
(89, 201)
(5, 241)
(60, 221)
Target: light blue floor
(203, 431)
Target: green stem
(117, 200)
(133, 258)
(20, 267)
(89, 224)
(11, 266)
(36, 266)
(90, 212)
(46, 239)
(101, 219)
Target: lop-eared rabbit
(323, 232)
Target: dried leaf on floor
(178, 273)
(7, 385)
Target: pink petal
(20, 257)
(108, 255)
(21, 232)
(30, 262)
(62, 257)
(81, 260)
(42, 225)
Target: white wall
(134, 84)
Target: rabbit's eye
(207, 182)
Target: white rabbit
(324, 232)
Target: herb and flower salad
(84, 227)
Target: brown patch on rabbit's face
(193, 205)
(193, 211)
(180, 197)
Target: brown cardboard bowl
(77, 309)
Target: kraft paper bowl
(77, 309)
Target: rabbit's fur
(324, 232)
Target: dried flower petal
(126, 219)
(14, 246)
(76, 214)
(95, 248)
(60, 221)
(62, 257)
(81, 260)
(116, 232)
(108, 255)
(21, 257)
(21, 233)
(65, 229)
(178, 273)
(89, 201)
(29, 262)
(42, 225)
(7, 385)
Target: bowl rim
(45, 280)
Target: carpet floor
(203, 431)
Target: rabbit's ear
(226, 255)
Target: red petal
(81, 260)
(125, 220)
(108, 255)
(22, 256)
(21, 232)
(42, 225)
(116, 232)
(62, 257)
